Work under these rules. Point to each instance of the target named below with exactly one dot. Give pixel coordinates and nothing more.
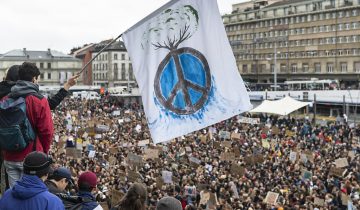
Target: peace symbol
(183, 81)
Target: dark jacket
(30, 193)
(88, 205)
(39, 115)
(52, 187)
(5, 89)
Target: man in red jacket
(39, 115)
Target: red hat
(89, 178)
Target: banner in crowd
(248, 120)
(186, 73)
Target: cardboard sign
(237, 152)
(113, 150)
(151, 154)
(289, 133)
(135, 160)
(319, 201)
(143, 143)
(116, 197)
(235, 136)
(227, 156)
(204, 198)
(224, 135)
(336, 171)
(112, 160)
(91, 123)
(73, 152)
(167, 177)
(159, 182)
(341, 163)
(275, 130)
(237, 170)
(248, 120)
(133, 176)
(293, 157)
(271, 198)
(265, 144)
(351, 154)
(92, 154)
(254, 159)
(226, 144)
(217, 145)
(344, 199)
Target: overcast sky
(64, 24)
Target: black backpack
(73, 202)
(16, 131)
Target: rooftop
(34, 55)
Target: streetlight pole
(275, 70)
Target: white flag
(185, 68)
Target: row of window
(104, 66)
(302, 54)
(297, 31)
(294, 68)
(122, 76)
(296, 19)
(104, 57)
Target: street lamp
(275, 69)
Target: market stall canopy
(280, 107)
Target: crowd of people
(273, 163)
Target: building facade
(309, 39)
(55, 67)
(85, 55)
(112, 67)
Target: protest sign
(135, 160)
(167, 177)
(227, 156)
(113, 150)
(116, 113)
(79, 145)
(188, 149)
(73, 152)
(217, 145)
(237, 152)
(319, 201)
(248, 120)
(204, 198)
(289, 133)
(275, 130)
(293, 157)
(265, 144)
(92, 154)
(237, 170)
(306, 174)
(341, 163)
(194, 160)
(159, 182)
(235, 136)
(112, 160)
(271, 198)
(226, 144)
(116, 197)
(336, 171)
(143, 143)
(351, 154)
(224, 135)
(344, 199)
(151, 154)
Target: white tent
(280, 107)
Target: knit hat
(37, 163)
(89, 178)
(12, 73)
(169, 203)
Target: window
(272, 68)
(115, 56)
(41, 65)
(245, 68)
(115, 66)
(131, 73)
(49, 76)
(123, 71)
(357, 67)
(354, 25)
(305, 67)
(293, 68)
(330, 67)
(42, 76)
(283, 67)
(122, 56)
(106, 57)
(343, 67)
(317, 67)
(49, 65)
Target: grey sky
(61, 25)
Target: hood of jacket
(28, 187)
(5, 88)
(23, 88)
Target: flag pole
(104, 48)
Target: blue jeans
(14, 171)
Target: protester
(87, 186)
(58, 180)
(134, 199)
(39, 115)
(30, 192)
(230, 172)
(168, 203)
(12, 76)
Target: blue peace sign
(183, 81)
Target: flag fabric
(185, 69)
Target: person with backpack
(25, 122)
(30, 192)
